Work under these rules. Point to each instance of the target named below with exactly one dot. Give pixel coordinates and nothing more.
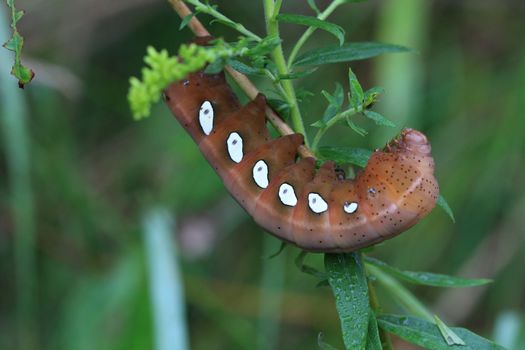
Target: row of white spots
(260, 170)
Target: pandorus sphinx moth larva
(313, 208)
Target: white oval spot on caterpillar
(234, 143)
(350, 207)
(316, 203)
(287, 195)
(260, 173)
(206, 117)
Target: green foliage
(15, 44)
(346, 155)
(427, 334)
(346, 53)
(356, 91)
(444, 205)
(448, 334)
(314, 22)
(164, 69)
(347, 279)
(373, 341)
(378, 119)
(427, 278)
(335, 103)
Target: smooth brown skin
(395, 190)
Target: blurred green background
(86, 193)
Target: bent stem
(337, 118)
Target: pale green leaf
(314, 22)
(427, 278)
(427, 334)
(378, 118)
(347, 52)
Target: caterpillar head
(412, 141)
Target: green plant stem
(306, 35)
(403, 295)
(272, 28)
(209, 10)
(320, 133)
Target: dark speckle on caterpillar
(316, 209)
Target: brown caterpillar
(314, 209)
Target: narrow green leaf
(299, 262)
(427, 335)
(309, 21)
(296, 74)
(280, 106)
(313, 6)
(265, 46)
(215, 67)
(356, 156)
(186, 20)
(244, 68)
(279, 251)
(347, 52)
(320, 124)
(444, 205)
(359, 130)
(426, 278)
(347, 278)
(448, 334)
(356, 91)
(374, 341)
(322, 344)
(335, 102)
(303, 94)
(378, 118)
(18, 15)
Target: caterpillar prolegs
(313, 208)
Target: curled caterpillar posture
(316, 209)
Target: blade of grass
(166, 290)
(13, 115)
(270, 297)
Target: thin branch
(245, 84)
